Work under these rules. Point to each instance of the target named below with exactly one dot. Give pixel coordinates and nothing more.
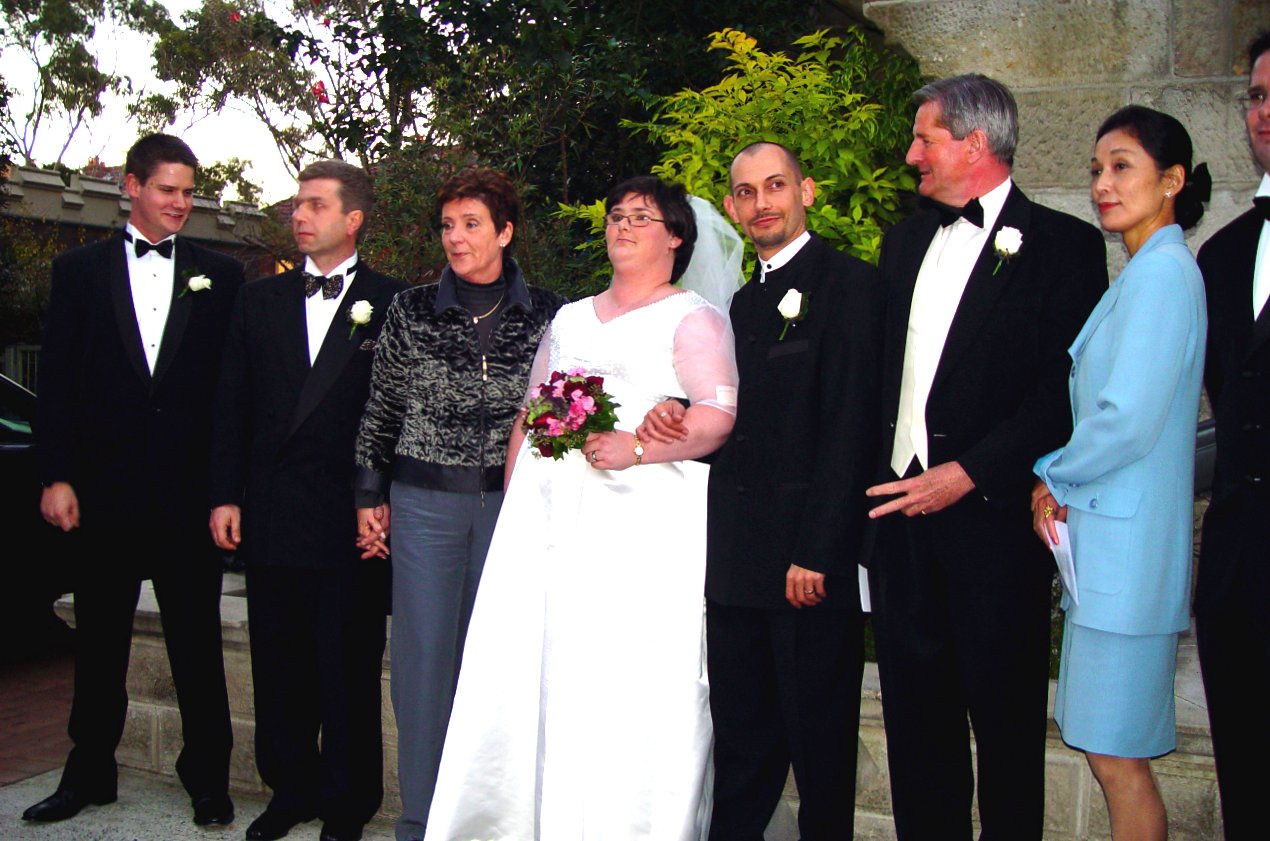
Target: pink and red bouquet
(564, 410)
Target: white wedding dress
(582, 709)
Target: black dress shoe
(213, 810)
(274, 824)
(336, 832)
(65, 803)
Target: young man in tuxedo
(131, 354)
(786, 513)
(1232, 598)
(985, 292)
(294, 382)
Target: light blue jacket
(1127, 473)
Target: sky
(228, 134)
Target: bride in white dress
(582, 709)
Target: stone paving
(151, 807)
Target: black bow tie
(330, 286)
(972, 212)
(1263, 206)
(142, 247)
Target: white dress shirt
(942, 279)
(319, 313)
(780, 258)
(1261, 274)
(150, 279)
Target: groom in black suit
(1232, 599)
(295, 380)
(786, 515)
(985, 292)
(131, 353)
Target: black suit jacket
(1237, 376)
(788, 486)
(284, 431)
(999, 399)
(133, 445)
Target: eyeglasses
(636, 220)
(1252, 99)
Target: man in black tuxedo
(786, 515)
(131, 354)
(1232, 599)
(985, 293)
(294, 382)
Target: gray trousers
(439, 541)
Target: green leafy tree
(835, 104)
(53, 38)
(212, 180)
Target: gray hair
(973, 101)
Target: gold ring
(1047, 511)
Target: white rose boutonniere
(1006, 244)
(196, 283)
(793, 307)
(359, 315)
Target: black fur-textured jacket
(440, 412)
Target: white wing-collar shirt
(941, 281)
(150, 278)
(319, 313)
(1261, 274)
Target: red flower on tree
(319, 93)
(235, 16)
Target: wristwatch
(639, 450)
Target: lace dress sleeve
(705, 359)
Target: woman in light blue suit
(1124, 482)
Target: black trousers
(317, 645)
(187, 585)
(961, 619)
(784, 690)
(1232, 629)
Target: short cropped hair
(790, 157)
(1259, 45)
(356, 190)
(974, 101)
(147, 153)
(488, 186)
(672, 200)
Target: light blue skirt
(1115, 692)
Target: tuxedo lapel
(339, 346)
(179, 310)
(909, 262)
(986, 283)
(289, 327)
(1260, 328)
(125, 311)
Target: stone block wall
(1071, 63)
(1074, 808)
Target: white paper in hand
(1066, 564)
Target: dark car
(36, 555)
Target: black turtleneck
(481, 298)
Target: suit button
(739, 437)
(1093, 503)
(1253, 480)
